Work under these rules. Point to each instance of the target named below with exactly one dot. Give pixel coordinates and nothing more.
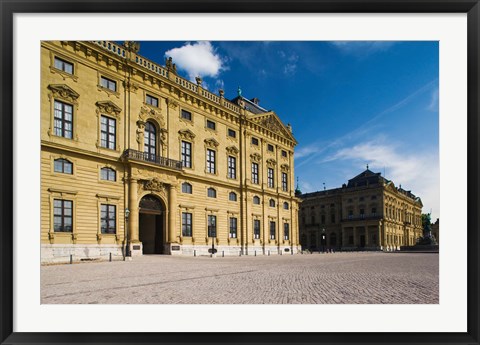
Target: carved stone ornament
(232, 150)
(130, 85)
(171, 103)
(273, 124)
(285, 167)
(64, 92)
(108, 107)
(256, 157)
(211, 143)
(154, 185)
(146, 113)
(186, 134)
(271, 162)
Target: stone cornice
(157, 77)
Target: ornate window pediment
(285, 167)
(148, 113)
(186, 134)
(211, 143)
(63, 92)
(232, 150)
(256, 157)
(154, 185)
(271, 162)
(108, 107)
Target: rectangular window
(63, 119)
(212, 226)
(210, 161)
(63, 65)
(270, 147)
(62, 166)
(108, 219)
(374, 211)
(153, 101)
(270, 178)
(186, 224)
(186, 154)
(273, 226)
(332, 218)
(108, 83)
(284, 153)
(256, 228)
(233, 227)
(232, 167)
(255, 173)
(286, 231)
(323, 219)
(62, 215)
(107, 132)
(350, 214)
(211, 124)
(232, 133)
(362, 213)
(186, 115)
(255, 141)
(108, 174)
(285, 182)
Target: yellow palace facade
(137, 160)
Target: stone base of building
(205, 250)
(66, 253)
(362, 249)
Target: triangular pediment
(186, 134)
(271, 121)
(63, 91)
(108, 107)
(211, 142)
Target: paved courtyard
(348, 278)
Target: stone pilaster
(133, 204)
(172, 201)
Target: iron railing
(155, 159)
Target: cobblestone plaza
(335, 278)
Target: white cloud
(418, 172)
(433, 106)
(197, 59)
(362, 48)
(290, 62)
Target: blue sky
(350, 103)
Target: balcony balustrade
(155, 159)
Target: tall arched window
(150, 141)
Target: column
(172, 206)
(355, 235)
(133, 204)
(366, 235)
(379, 241)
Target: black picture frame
(10, 7)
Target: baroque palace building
(367, 213)
(138, 160)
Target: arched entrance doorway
(152, 224)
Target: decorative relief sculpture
(271, 162)
(285, 167)
(211, 143)
(232, 150)
(146, 113)
(186, 134)
(64, 92)
(108, 107)
(256, 157)
(154, 184)
(171, 103)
